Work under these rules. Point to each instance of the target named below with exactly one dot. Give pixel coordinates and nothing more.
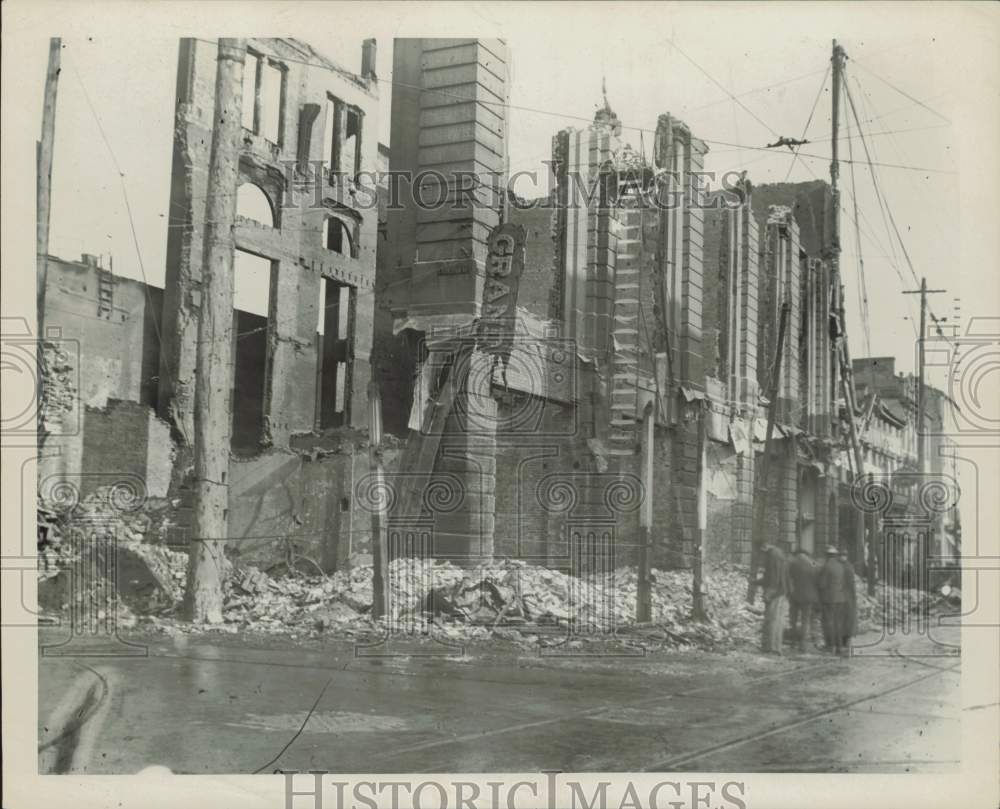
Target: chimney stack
(368, 52)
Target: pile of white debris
(509, 599)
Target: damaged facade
(627, 413)
(304, 272)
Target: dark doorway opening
(252, 300)
(334, 330)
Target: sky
(910, 85)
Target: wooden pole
(847, 385)
(644, 593)
(380, 551)
(700, 591)
(44, 169)
(760, 489)
(214, 353)
(923, 292)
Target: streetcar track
(72, 731)
(586, 712)
(798, 722)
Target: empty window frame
(252, 281)
(264, 88)
(335, 330)
(337, 236)
(343, 125)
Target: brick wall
(535, 288)
(293, 242)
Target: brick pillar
(448, 125)
(742, 509)
(692, 365)
(785, 498)
(467, 455)
(585, 233)
(779, 282)
(680, 155)
(449, 134)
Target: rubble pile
(508, 599)
(103, 533)
(889, 602)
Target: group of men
(802, 586)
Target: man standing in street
(804, 596)
(850, 627)
(833, 594)
(775, 585)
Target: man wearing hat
(804, 596)
(833, 593)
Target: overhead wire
(888, 232)
(121, 180)
(589, 120)
(862, 284)
(899, 152)
(805, 129)
(892, 219)
(731, 96)
(902, 92)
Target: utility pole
(44, 169)
(644, 587)
(838, 59)
(698, 588)
(760, 489)
(212, 406)
(843, 354)
(380, 551)
(923, 292)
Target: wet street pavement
(216, 704)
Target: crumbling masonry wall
(105, 358)
(294, 174)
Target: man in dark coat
(834, 594)
(804, 596)
(775, 585)
(850, 627)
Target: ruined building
(625, 408)
(305, 240)
(306, 230)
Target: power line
(886, 132)
(650, 130)
(903, 93)
(128, 206)
(892, 219)
(899, 152)
(753, 91)
(724, 89)
(805, 129)
(862, 284)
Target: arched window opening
(253, 204)
(338, 236)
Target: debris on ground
(508, 600)
(104, 538)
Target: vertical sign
(503, 274)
